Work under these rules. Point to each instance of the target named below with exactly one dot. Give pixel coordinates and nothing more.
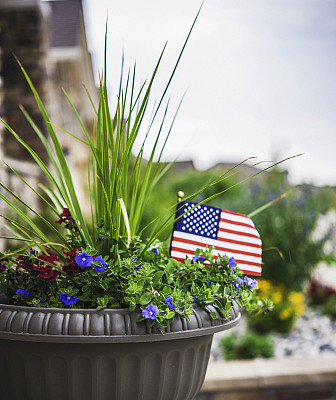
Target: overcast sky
(259, 76)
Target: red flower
(65, 217)
(48, 274)
(67, 220)
(48, 258)
(44, 267)
(71, 266)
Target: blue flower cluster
(68, 299)
(169, 302)
(241, 282)
(84, 260)
(150, 312)
(22, 292)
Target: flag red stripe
(246, 253)
(245, 271)
(228, 221)
(239, 233)
(257, 246)
(191, 252)
(235, 213)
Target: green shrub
(287, 228)
(329, 307)
(287, 306)
(248, 346)
(323, 297)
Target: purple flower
(83, 260)
(198, 258)
(138, 266)
(240, 281)
(102, 262)
(155, 251)
(150, 312)
(197, 298)
(251, 282)
(68, 299)
(232, 262)
(209, 282)
(169, 303)
(22, 292)
(235, 284)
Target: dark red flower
(48, 258)
(48, 274)
(67, 220)
(71, 266)
(65, 216)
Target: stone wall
(23, 34)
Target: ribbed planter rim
(103, 326)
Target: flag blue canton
(201, 220)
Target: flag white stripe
(194, 247)
(243, 267)
(237, 218)
(238, 228)
(230, 236)
(236, 237)
(220, 243)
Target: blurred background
(257, 80)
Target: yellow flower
(284, 314)
(264, 287)
(276, 297)
(296, 297)
(298, 301)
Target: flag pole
(180, 196)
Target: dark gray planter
(60, 354)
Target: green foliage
(288, 229)
(138, 279)
(287, 306)
(323, 297)
(190, 182)
(329, 307)
(102, 262)
(248, 346)
(291, 249)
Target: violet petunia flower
(22, 292)
(102, 262)
(150, 312)
(169, 303)
(232, 262)
(68, 299)
(83, 259)
(250, 282)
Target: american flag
(231, 234)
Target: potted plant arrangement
(92, 311)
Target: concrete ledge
(226, 376)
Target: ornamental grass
(103, 261)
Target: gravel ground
(313, 335)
